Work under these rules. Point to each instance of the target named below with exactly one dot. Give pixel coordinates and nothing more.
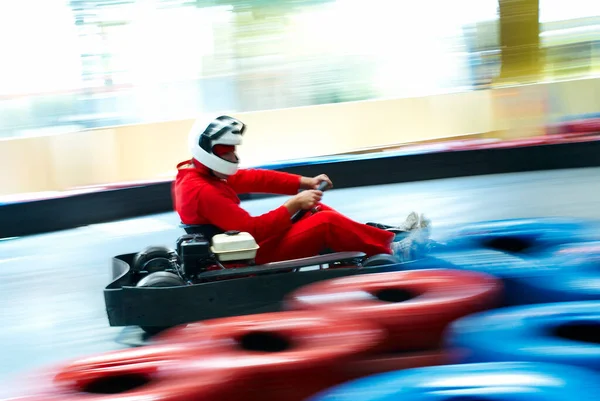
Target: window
(94, 63)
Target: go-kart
(211, 274)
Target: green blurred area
(151, 60)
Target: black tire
(381, 260)
(159, 279)
(152, 331)
(153, 259)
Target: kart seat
(206, 230)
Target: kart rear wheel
(153, 259)
(153, 330)
(159, 279)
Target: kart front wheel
(380, 260)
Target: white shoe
(403, 249)
(424, 222)
(412, 222)
(408, 248)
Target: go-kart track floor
(51, 285)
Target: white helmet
(223, 130)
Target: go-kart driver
(206, 192)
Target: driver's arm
(226, 214)
(246, 181)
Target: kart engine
(196, 252)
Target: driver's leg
(413, 221)
(326, 229)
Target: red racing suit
(200, 197)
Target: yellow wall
(26, 165)
(149, 151)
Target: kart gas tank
(234, 245)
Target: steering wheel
(300, 213)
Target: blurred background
(84, 65)
(101, 94)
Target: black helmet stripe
(231, 125)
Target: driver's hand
(317, 180)
(305, 200)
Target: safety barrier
(344, 329)
(473, 382)
(571, 273)
(566, 333)
(287, 355)
(437, 298)
(518, 251)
